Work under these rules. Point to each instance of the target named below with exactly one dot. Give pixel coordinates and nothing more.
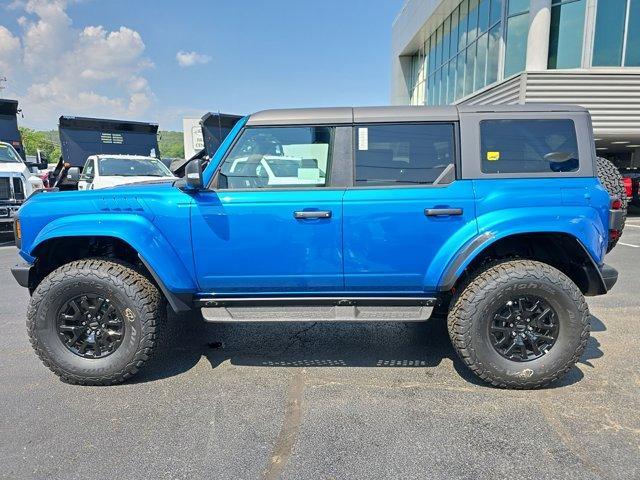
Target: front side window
(277, 157)
(87, 171)
(402, 154)
(528, 146)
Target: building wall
(496, 39)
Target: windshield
(128, 167)
(8, 154)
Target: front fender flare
(135, 230)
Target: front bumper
(609, 276)
(21, 273)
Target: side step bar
(319, 309)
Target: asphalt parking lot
(325, 401)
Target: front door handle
(306, 214)
(441, 212)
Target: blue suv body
(375, 213)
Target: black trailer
(215, 128)
(9, 132)
(82, 137)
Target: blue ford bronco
(492, 217)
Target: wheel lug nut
(529, 328)
(513, 334)
(511, 325)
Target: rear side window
(403, 154)
(528, 146)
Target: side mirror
(73, 174)
(193, 175)
(42, 160)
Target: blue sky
(119, 58)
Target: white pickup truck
(17, 183)
(102, 171)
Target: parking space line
(629, 245)
(633, 225)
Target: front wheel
(519, 324)
(95, 322)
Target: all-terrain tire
(135, 298)
(611, 179)
(472, 312)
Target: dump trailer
(82, 137)
(9, 132)
(215, 128)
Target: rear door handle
(306, 214)
(441, 212)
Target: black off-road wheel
(519, 324)
(611, 179)
(95, 321)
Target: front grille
(5, 189)
(18, 188)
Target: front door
(272, 224)
(404, 206)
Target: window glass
(608, 41)
(454, 34)
(462, 32)
(472, 27)
(633, 35)
(451, 87)
(528, 146)
(460, 75)
(565, 41)
(518, 6)
(481, 60)
(439, 46)
(273, 157)
(493, 54)
(469, 68)
(87, 171)
(402, 154)
(483, 16)
(8, 154)
(129, 167)
(516, 44)
(445, 40)
(496, 12)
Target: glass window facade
(484, 41)
(617, 36)
(567, 31)
(455, 60)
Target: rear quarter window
(529, 146)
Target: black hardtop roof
(106, 124)
(347, 115)
(8, 107)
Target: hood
(8, 167)
(116, 181)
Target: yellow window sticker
(493, 156)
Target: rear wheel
(611, 179)
(519, 324)
(95, 322)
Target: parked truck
(82, 137)
(492, 217)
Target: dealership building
(584, 52)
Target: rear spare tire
(519, 324)
(611, 179)
(95, 322)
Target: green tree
(171, 144)
(34, 141)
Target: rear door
(405, 204)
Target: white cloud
(60, 70)
(189, 59)
(9, 51)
